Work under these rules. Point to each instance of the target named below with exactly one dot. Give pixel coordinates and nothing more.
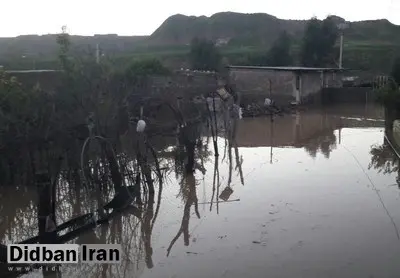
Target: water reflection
(190, 213)
(313, 130)
(324, 143)
(189, 196)
(384, 159)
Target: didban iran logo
(63, 253)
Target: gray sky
(134, 17)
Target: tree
(279, 54)
(396, 70)
(204, 55)
(318, 42)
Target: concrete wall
(185, 83)
(332, 80)
(311, 85)
(255, 84)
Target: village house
(283, 84)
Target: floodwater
(312, 194)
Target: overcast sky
(133, 17)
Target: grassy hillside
(260, 29)
(239, 29)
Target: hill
(237, 29)
(368, 44)
(234, 28)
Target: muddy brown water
(318, 198)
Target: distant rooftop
(287, 68)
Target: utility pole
(341, 50)
(341, 27)
(97, 54)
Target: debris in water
(194, 253)
(256, 242)
(226, 193)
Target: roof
(287, 68)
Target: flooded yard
(312, 194)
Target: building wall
(286, 86)
(333, 80)
(255, 84)
(311, 84)
(185, 83)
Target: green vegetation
(396, 70)
(146, 67)
(87, 88)
(204, 55)
(279, 54)
(93, 99)
(240, 29)
(318, 43)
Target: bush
(146, 67)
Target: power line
(376, 191)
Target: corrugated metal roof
(287, 68)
